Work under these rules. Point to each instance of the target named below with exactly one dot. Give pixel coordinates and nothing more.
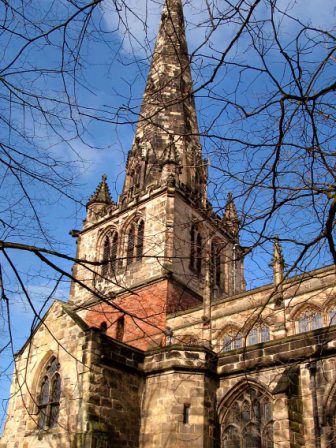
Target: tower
(148, 255)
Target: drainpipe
(317, 428)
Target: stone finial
(231, 216)
(102, 194)
(170, 154)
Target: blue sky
(114, 66)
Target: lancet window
(309, 319)
(48, 400)
(110, 252)
(248, 422)
(215, 264)
(135, 241)
(196, 252)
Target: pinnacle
(102, 194)
(230, 209)
(277, 251)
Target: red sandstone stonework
(145, 313)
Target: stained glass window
(49, 395)
(248, 422)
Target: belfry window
(48, 400)
(248, 422)
(310, 319)
(215, 265)
(196, 252)
(135, 242)
(110, 252)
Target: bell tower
(161, 248)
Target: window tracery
(248, 422)
(48, 400)
(258, 334)
(232, 339)
(215, 264)
(135, 242)
(196, 252)
(110, 252)
(309, 319)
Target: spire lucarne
(168, 113)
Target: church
(160, 344)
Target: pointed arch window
(196, 249)
(140, 240)
(110, 253)
(135, 242)
(48, 400)
(130, 244)
(215, 265)
(248, 422)
(106, 256)
(258, 334)
(309, 319)
(232, 340)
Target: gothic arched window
(232, 339)
(258, 334)
(130, 244)
(114, 251)
(48, 400)
(106, 256)
(215, 265)
(140, 240)
(110, 252)
(248, 422)
(135, 241)
(196, 252)
(309, 319)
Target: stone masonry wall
(178, 377)
(61, 336)
(112, 394)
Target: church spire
(168, 111)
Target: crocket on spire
(168, 109)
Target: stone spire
(231, 216)
(168, 110)
(102, 194)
